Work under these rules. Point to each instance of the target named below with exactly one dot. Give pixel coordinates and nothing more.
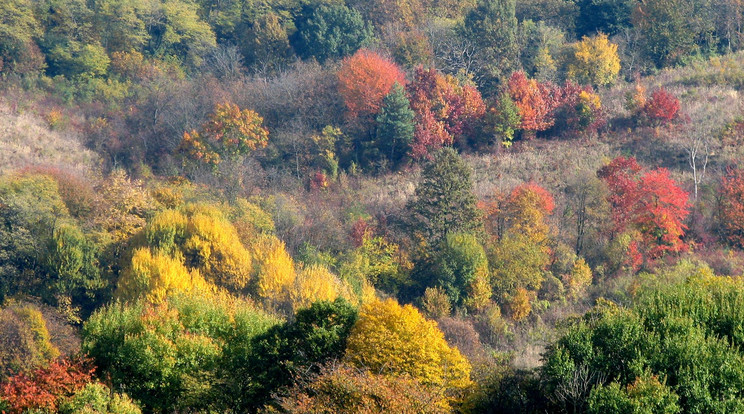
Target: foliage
(44, 388)
(19, 28)
(346, 390)
(395, 127)
(516, 262)
(460, 267)
(446, 108)
(397, 340)
(645, 395)
(731, 208)
(527, 209)
(154, 277)
(96, 398)
(444, 201)
(283, 353)
(365, 78)
(535, 101)
(332, 31)
(678, 331)
(492, 27)
(651, 203)
(172, 355)
(662, 107)
(228, 134)
(578, 280)
(503, 119)
(26, 342)
(594, 61)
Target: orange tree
(364, 79)
(229, 133)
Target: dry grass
(27, 140)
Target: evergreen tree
(444, 201)
(333, 31)
(395, 125)
(492, 27)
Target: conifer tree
(395, 125)
(444, 201)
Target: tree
(98, 398)
(526, 211)
(290, 351)
(461, 268)
(594, 61)
(397, 340)
(44, 388)
(731, 209)
(266, 44)
(446, 110)
(492, 27)
(603, 16)
(365, 78)
(332, 31)
(229, 134)
(646, 395)
(395, 127)
(650, 202)
(26, 341)
(444, 201)
(19, 28)
(673, 30)
(535, 101)
(661, 348)
(503, 120)
(662, 107)
(177, 354)
(175, 29)
(342, 389)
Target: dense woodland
(365, 206)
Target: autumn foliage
(446, 110)
(650, 202)
(535, 101)
(364, 79)
(43, 388)
(397, 340)
(228, 134)
(732, 206)
(662, 108)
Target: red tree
(364, 80)
(43, 387)
(732, 206)
(535, 100)
(662, 107)
(650, 202)
(446, 110)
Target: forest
(371, 206)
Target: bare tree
(574, 391)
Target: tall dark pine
(445, 202)
(395, 126)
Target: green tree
(492, 27)
(317, 335)
(459, 266)
(395, 126)
(18, 31)
(444, 201)
(603, 16)
(120, 24)
(174, 356)
(331, 32)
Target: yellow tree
(154, 277)
(316, 283)
(275, 270)
(594, 61)
(398, 340)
